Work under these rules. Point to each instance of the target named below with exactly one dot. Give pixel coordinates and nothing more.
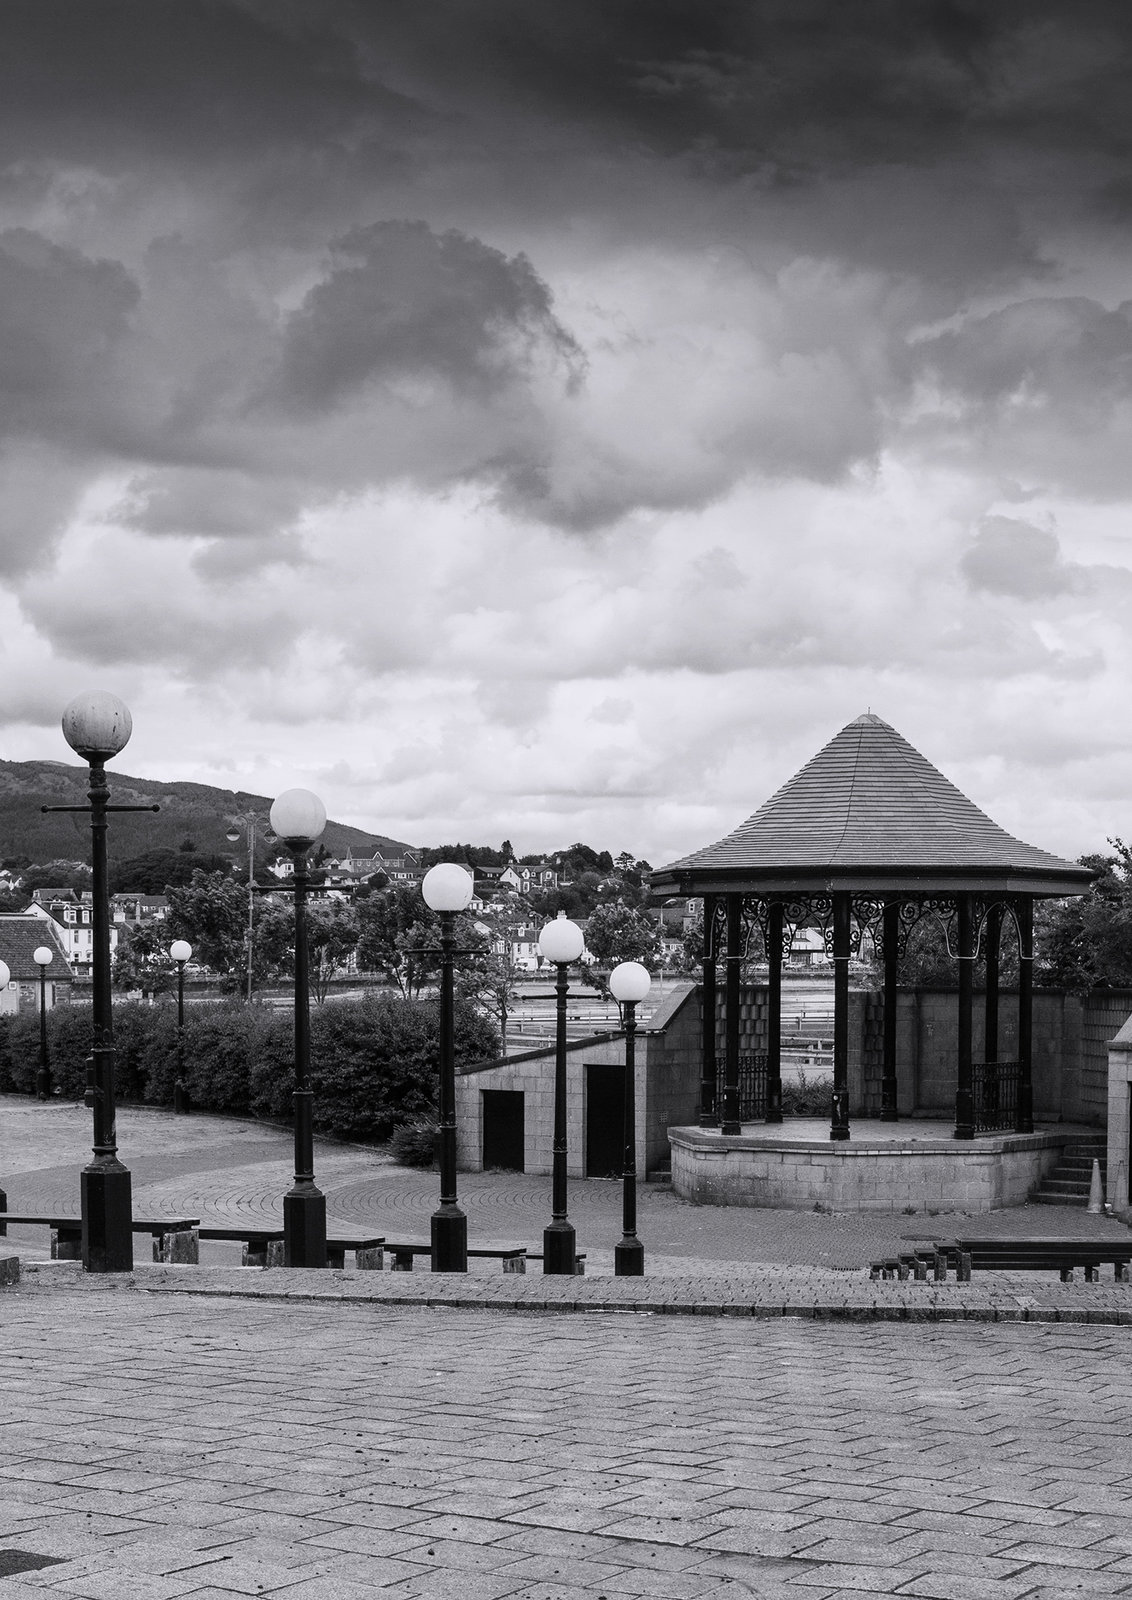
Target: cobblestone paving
(158, 1445)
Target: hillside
(188, 810)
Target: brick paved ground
(162, 1445)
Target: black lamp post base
(304, 1227)
(559, 1249)
(629, 1259)
(43, 1084)
(449, 1240)
(107, 1213)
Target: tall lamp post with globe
(180, 950)
(298, 818)
(43, 958)
(629, 983)
(447, 889)
(561, 941)
(97, 726)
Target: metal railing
(994, 1092)
(752, 1084)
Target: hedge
(374, 1062)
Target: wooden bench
(174, 1238)
(514, 1259)
(1009, 1255)
(264, 1247)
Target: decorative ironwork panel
(752, 1084)
(867, 913)
(715, 931)
(994, 1091)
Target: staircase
(1068, 1183)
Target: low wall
(924, 1175)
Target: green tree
(142, 960)
(332, 934)
(211, 912)
(394, 924)
(617, 933)
(155, 870)
(74, 875)
(1085, 942)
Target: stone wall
(667, 1089)
(920, 1175)
(1120, 1122)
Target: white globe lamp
(298, 817)
(561, 941)
(447, 887)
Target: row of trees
(390, 933)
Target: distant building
(72, 917)
(21, 933)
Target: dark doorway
(605, 1120)
(503, 1129)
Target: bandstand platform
(916, 1164)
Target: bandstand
(867, 839)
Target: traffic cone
(1096, 1193)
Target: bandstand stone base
(884, 1166)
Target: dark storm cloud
(401, 302)
(62, 319)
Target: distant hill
(188, 810)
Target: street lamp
(561, 941)
(249, 822)
(97, 726)
(43, 958)
(180, 950)
(447, 889)
(298, 818)
(629, 983)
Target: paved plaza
(217, 1431)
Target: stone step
(1043, 1198)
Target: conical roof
(869, 811)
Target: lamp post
(180, 950)
(447, 889)
(629, 983)
(43, 958)
(249, 822)
(97, 726)
(298, 818)
(561, 941)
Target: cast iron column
(964, 1099)
(731, 1123)
(774, 1013)
(108, 1240)
(709, 1108)
(891, 938)
(990, 1006)
(559, 1240)
(629, 1255)
(1025, 914)
(304, 1205)
(449, 1224)
(839, 1119)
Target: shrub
(374, 1062)
(808, 1097)
(414, 1143)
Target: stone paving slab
(163, 1443)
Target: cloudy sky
(556, 421)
